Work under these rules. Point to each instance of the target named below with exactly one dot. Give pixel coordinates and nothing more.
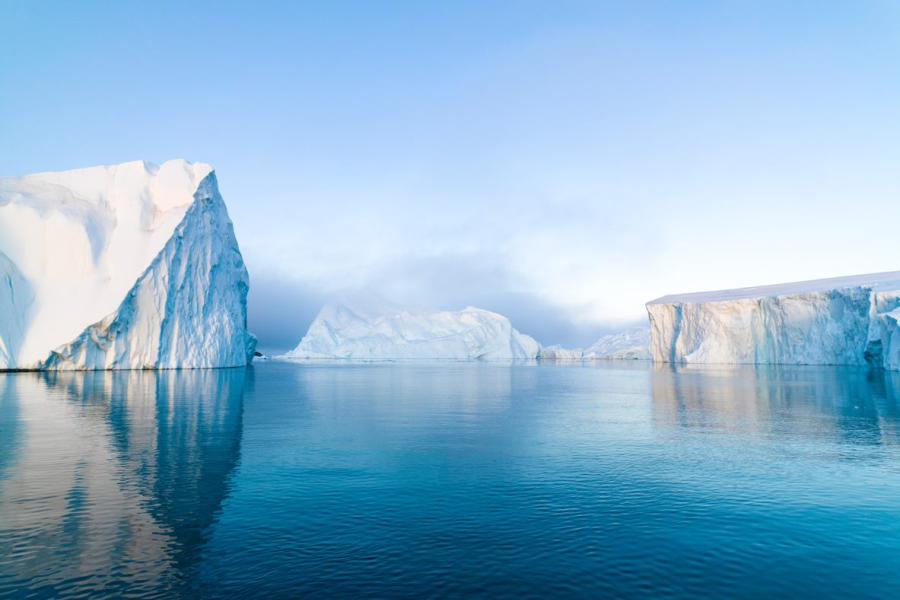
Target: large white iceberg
(380, 331)
(632, 344)
(122, 267)
(839, 321)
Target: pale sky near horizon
(558, 162)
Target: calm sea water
(458, 480)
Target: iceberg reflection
(846, 403)
(111, 480)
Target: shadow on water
(112, 481)
(852, 404)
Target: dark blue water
(451, 481)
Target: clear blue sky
(561, 162)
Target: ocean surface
(454, 480)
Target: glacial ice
(631, 344)
(372, 329)
(120, 267)
(376, 330)
(839, 321)
(558, 352)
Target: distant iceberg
(557, 352)
(840, 321)
(632, 344)
(375, 330)
(131, 266)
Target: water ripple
(427, 481)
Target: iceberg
(559, 353)
(632, 344)
(132, 266)
(381, 331)
(838, 321)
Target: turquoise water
(285, 480)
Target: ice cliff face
(625, 345)
(383, 332)
(121, 267)
(840, 321)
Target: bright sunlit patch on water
(451, 480)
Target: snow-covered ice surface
(632, 344)
(838, 321)
(376, 330)
(117, 267)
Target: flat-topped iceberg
(130, 266)
(839, 321)
(380, 331)
(632, 344)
